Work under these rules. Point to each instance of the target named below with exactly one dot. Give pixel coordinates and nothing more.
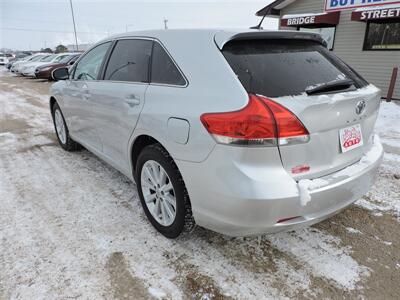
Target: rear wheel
(62, 132)
(162, 192)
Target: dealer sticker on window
(350, 137)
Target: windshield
(61, 58)
(48, 58)
(65, 59)
(276, 68)
(36, 58)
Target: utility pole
(73, 21)
(165, 23)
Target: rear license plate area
(350, 138)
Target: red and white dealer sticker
(350, 137)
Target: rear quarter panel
(212, 87)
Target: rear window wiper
(330, 86)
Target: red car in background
(45, 71)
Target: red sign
(376, 14)
(310, 19)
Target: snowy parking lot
(71, 227)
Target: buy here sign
(336, 5)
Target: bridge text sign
(337, 5)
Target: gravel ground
(72, 227)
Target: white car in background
(16, 67)
(29, 68)
(19, 60)
(4, 58)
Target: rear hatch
(334, 103)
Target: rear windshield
(276, 68)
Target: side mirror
(71, 62)
(60, 74)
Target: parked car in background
(29, 68)
(19, 64)
(44, 71)
(5, 57)
(9, 64)
(19, 56)
(267, 132)
(22, 54)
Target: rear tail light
(262, 122)
(290, 129)
(252, 125)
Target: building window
(382, 36)
(327, 33)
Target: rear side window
(163, 69)
(129, 61)
(276, 68)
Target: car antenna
(259, 24)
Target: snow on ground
(385, 195)
(320, 253)
(73, 227)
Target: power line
(49, 21)
(55, 31)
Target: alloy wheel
(60, 126)
(158, 193)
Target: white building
(367, 38)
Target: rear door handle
(132, 100)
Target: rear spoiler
(223, 37)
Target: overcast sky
(34, 24)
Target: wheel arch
(52, 101)
(140, 142)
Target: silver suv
(241, 132)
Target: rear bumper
(234, 194)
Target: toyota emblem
(360, 107)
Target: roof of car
(221, 36)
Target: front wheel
(162, 192)
(62, 132)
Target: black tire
(70, 144)
(184, 221)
